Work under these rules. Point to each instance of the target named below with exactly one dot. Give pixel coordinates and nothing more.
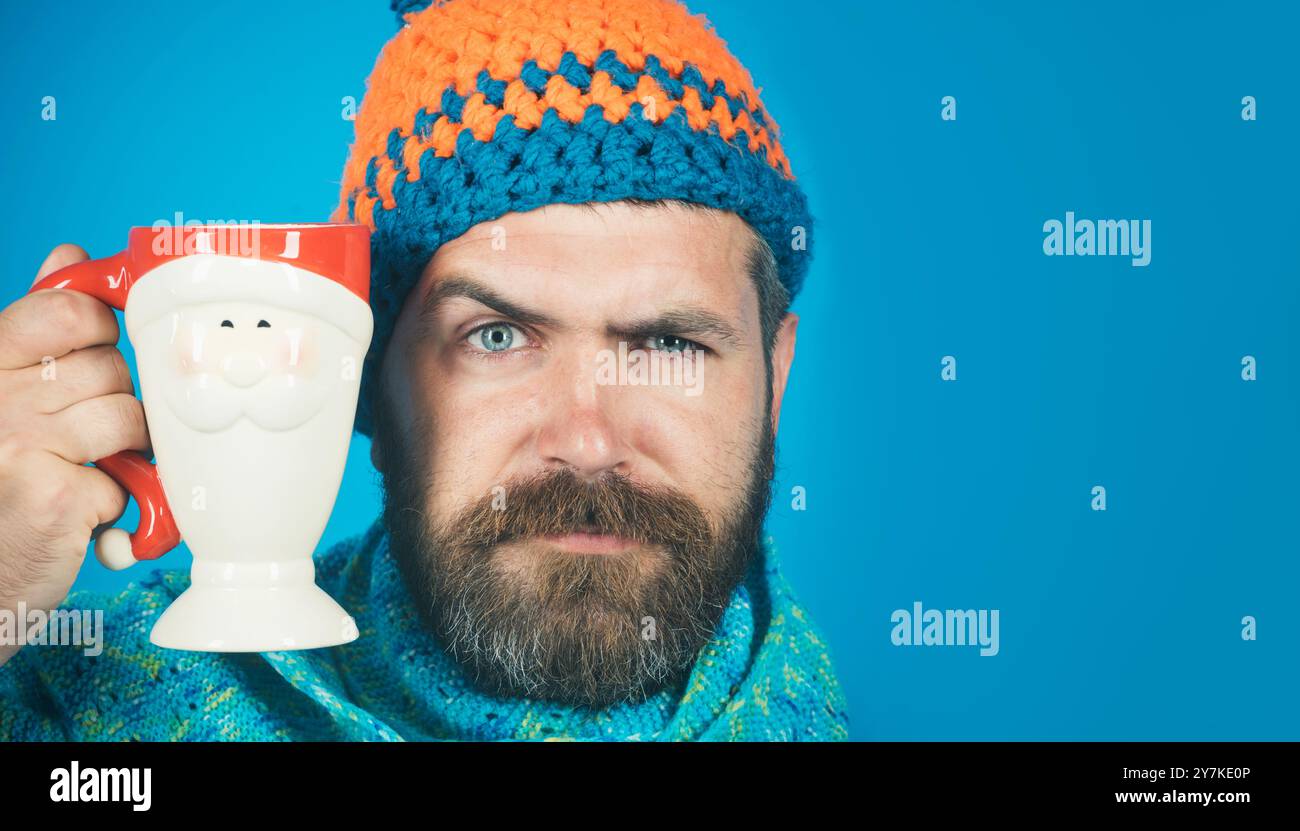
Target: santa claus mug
(249, 341)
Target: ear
(782, 358)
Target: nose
(582, 430)
(243, 369)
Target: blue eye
(494, 337)
(670, 343)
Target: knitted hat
(478, 108)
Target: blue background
(1123, 624)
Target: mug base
(208, 618)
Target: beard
(527, 619)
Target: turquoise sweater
(766, 675)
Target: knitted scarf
(765, 675)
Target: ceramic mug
(249, 343)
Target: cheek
(296, 352)
(478, 436)
(191, 352)
(704, 443)
(195, 351)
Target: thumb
(62, 255)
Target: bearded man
(568, 549)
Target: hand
(66, 399)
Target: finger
(97, 427)
(62, 255)
(94, 498)
(51, 323)
(77, 376)
(105, 497)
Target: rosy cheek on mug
(274, 351)
(188, 346)
(298, 353)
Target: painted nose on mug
(243, 369)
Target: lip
(587, 543)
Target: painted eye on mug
(262, 324)
(226, 324)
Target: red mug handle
(109, 280)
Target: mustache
(560, 502)
(209, 403)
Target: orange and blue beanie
(477, 108)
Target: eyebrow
(683, 321)
(479, 293)
(686, 322)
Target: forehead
(589, 257)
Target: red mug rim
(345, 259)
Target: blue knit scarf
(765, 675)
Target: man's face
(576, 440)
